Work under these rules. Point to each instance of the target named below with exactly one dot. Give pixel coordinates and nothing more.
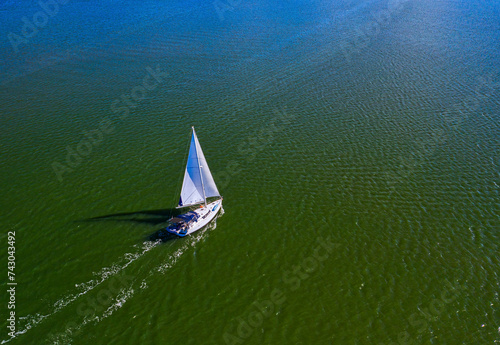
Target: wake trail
(103, 275)
(126, 294)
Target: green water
(356, 145)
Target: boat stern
(177, 229)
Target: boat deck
(194, 220)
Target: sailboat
(198, 185)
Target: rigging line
(199, 167)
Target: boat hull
(205, 215)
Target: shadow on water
(151, 217)
(162, 235)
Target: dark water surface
(356, 144)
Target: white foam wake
(127, 293)
(104, 274)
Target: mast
(201, 176)
(198, 183)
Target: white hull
(205, 215)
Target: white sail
(198, 182)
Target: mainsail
(198, 182)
